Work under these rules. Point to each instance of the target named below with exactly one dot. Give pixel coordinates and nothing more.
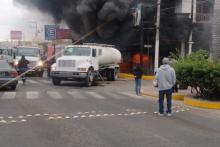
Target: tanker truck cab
(32, 54)
(78, 63)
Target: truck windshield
(77, 51)
(34, 52)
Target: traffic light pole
(157, 41)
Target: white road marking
(55, 95)
(21, 116)
(115, 96)
(31, 95)
(32, 81)
(51, 118)
(131, 95)
(76, 95)
(3, 121)
(13, 121)
(96, 95)
(8, 95)
(23, 120)
(45, 81)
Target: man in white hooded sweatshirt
(166, 79)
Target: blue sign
(50, 32)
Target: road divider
(201, 103)
(130, 76)
(176, 96)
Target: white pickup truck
(32, 54)
(86, 63)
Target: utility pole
(191, 27)
(157, 41)
(142, 37)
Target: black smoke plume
(83, 16)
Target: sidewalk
(150, 90)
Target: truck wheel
(56, 81)
(90, 78)
(114, 74)
(40, 73)
(13, 87)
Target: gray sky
(13, 17)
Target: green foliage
(201, 74)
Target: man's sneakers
(169, 114)
(162, 114)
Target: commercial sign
(50, 32)
(16, 35)
(63, 34)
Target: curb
(201, 104)
(130, 76)
(175, 96)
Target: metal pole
(157, 41)
(142, 39)
(191, 31)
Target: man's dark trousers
(168, 94)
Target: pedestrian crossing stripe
(32, 81)
(9, 95)
(131, 95)
(76, 95)
(54, 95)
(96, 95)
(32, 95)
(45, 81)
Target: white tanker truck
(87, 63)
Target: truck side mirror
(93, 52)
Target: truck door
(94, 59)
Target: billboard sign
(16, 35)
(63, 34)
(50, 32)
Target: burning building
(82, 16)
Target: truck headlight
(40, 63)
(15, 63)
(53, 68)
(82, 69)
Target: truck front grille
(66, 63)
(32, 64)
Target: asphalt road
(106, 115)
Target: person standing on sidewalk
(138, 73)
(166, 79)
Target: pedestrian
(138, 73)
(22, 68)
(166, 79)
(49, 64)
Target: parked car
(8, 75)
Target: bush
(200, 73)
